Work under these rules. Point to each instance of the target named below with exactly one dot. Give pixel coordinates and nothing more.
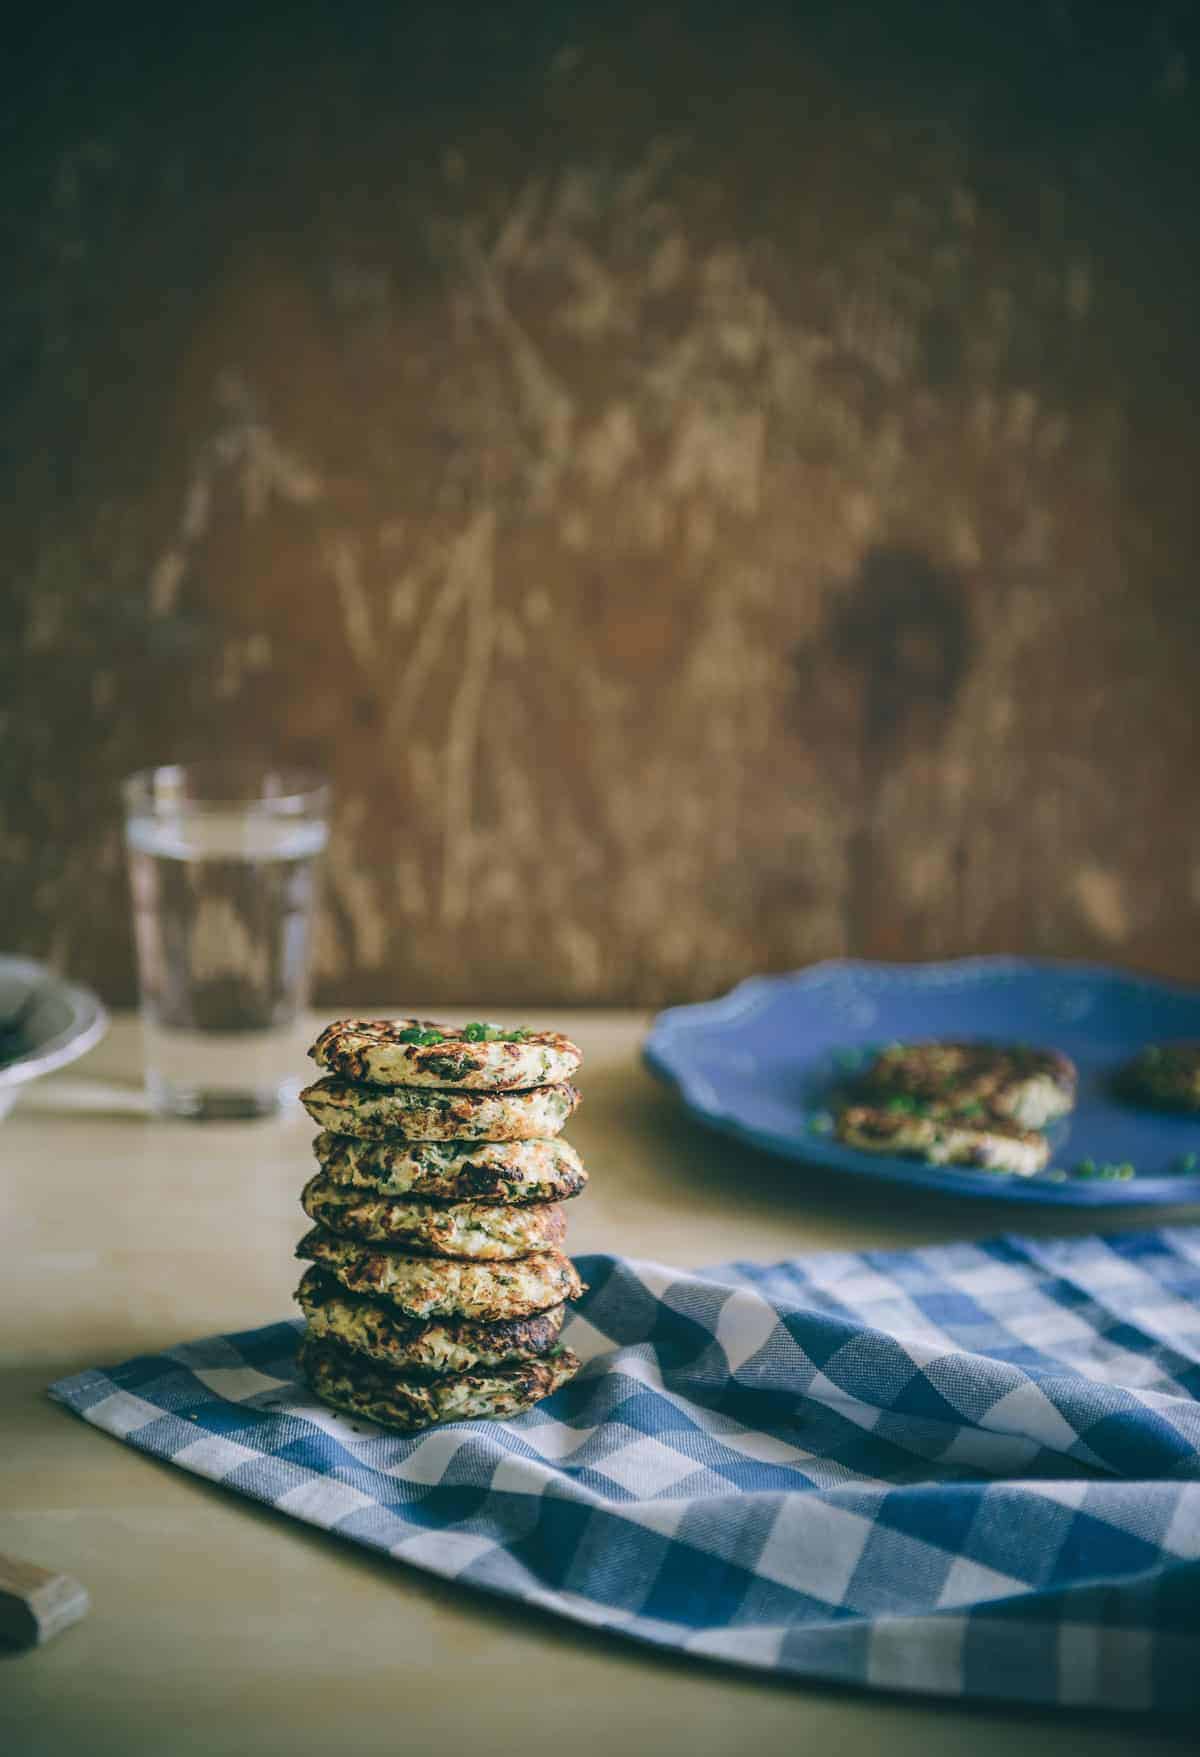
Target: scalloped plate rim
(700, 1099)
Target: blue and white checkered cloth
(973, 1469)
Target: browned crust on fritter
(348, 1382)
(477, 1231)
(991, 1143)
(953, 1074)
(355, 1048)
(384, 1334)
(425, 1287)
(426, 1113)
(1166, 1075)
(455, 1171)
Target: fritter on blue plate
(1023, 1085)
(1165, 1074)
(989, 1143)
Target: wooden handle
(36, 1604)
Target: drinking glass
(223, 866)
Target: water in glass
(223, 897)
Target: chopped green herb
(902, 1101)
(480, 1031)
(820, 1123)
(1109, 1170)
(415, 1034)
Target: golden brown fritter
(344, 1380)
(987, 1142)
(423, 1113)
(444, 1345)
(1026, 1086)
(1166, 1075)
(418, 1052)
(432, 1287)
(454, 1171)
(490, 1232)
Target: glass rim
(162, 789)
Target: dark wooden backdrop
(715, 485)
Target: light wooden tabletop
(217, 1626)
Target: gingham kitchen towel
(973, 1469)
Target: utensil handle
(36, 1604)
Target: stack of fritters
(952, 1103)
(438, 1279)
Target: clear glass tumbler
(223, 861)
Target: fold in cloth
(971, 1470)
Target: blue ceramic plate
(764, 1063)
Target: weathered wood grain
(713, 498)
